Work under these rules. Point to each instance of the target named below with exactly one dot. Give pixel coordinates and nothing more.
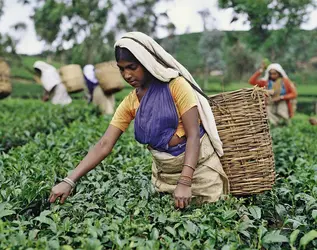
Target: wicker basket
(243, 127)
(72, 77)
(5, 85)
(109, 77)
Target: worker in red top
(280, 106)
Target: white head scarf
(140, 44)
(89, 72)
(276, 67)
(49, 75)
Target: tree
(204, 14)
(239, 59)
(171, 42)
(84, 24)
(140, 15)
(210, 49)
(262, 15)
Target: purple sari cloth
(91, 87)
(156, 119)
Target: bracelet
(184, 182)
(69, 181)
(186, 176)
(187, 165)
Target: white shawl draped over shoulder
(165, 67)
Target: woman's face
(133, 73)
(274, 74)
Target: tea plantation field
(115, 205)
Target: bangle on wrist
(187, 165)
(184, 182)
(186, 177)
(69, 181)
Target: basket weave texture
(243, 128)
(109, 77)
(5, 85)
(72, 77)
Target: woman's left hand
(182, 196)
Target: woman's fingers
(64, 196)
(179, 202)
(176, 202)
(186, 202)
(53, 197)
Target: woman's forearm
(191, 154)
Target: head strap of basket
(109, 77)
(242, 123)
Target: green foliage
(20, 121)
(115, 206)
(24, 90)
(262, 13)
(47, 20)
(140, 15)
(188, 51)
(90, 33)
(210, 49)
(240, 62)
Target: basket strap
(165, 64)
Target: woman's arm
(46, 96)
(100, 151)
(255, 81)
(182, 192)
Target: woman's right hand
(61, 190)
(262, 67)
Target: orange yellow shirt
(183, 96)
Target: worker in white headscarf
(52, 84)
(105, 102)
(280, 106)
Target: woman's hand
(182, 195)
(62, 190)
(276, 99)
(262, 67)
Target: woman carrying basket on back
(173, 119)
(105, 102)
(54, 89)
(283, 92)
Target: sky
(183, 13)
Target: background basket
(243, 127)
(109, 77)
(5, 85)
(72, 77)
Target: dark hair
(38, 71)
(125, 55)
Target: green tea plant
(116, 207)
(20, 120)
